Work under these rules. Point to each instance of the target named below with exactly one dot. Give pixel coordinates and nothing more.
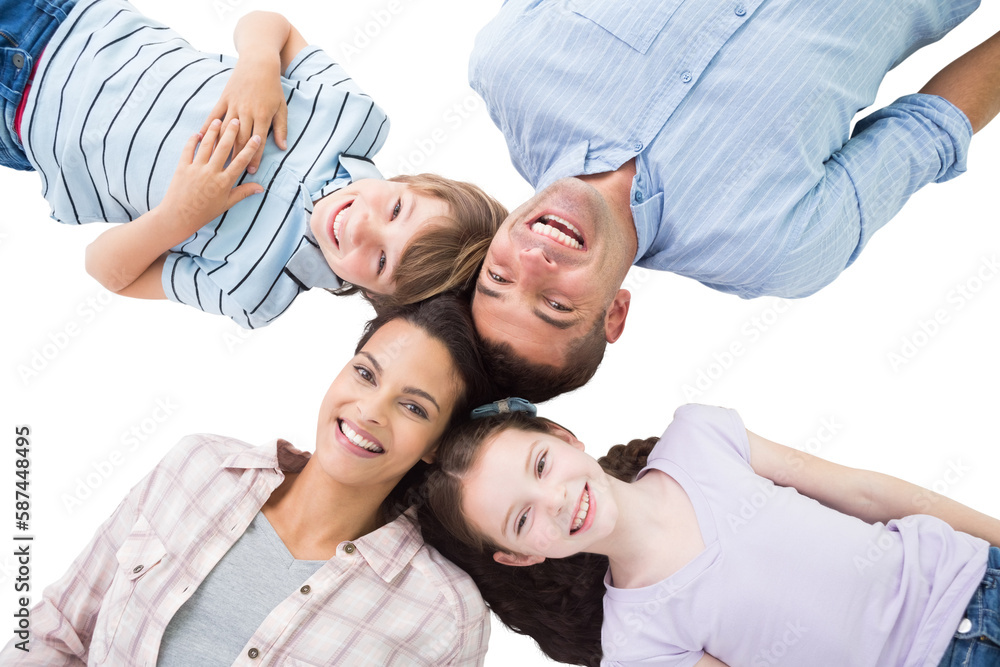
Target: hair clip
(503, 407)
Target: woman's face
(387, 408)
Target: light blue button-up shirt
(738, 115)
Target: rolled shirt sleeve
(893, 152)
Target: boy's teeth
(540, 227)
(358, 440)
(582, 514)
(336, 223)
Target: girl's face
(387, 408)
(363, 229)
(539, 495)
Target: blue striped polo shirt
(115, 99)
(738, 115)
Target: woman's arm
(266, 43)
(126, 259)
(870, 496)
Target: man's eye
(520, 523)
(365, 374)
(381, 264)
(555, 305)
(496, 278)
(395, 211)
(540, 468)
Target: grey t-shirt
(217, 621)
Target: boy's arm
(201, 190)
(868, 495)
(266, 43)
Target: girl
(232, 554)
(719, 553)
(100, 100)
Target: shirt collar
(572, 161)
(387, 550)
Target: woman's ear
(563, 434)
(505, 558)
(430, 456)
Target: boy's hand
(254, 96)
(202, 186)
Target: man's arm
(867, 495)
(972, 83)
(201, 190)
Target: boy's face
(363, 229)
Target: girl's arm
(870, 496)
(709, 661)
(127, 259)
(266, 43)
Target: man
(705, 138)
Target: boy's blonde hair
(448, 252)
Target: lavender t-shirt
(784, 580)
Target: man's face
(553, 268)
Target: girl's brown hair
(447, 254)
(558, 602)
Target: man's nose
(535, 264)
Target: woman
(232, 554)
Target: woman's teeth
(358, 440)
(336, 223)
(582, 513)
(571, 240)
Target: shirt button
(637, 146)
(349, 548)
(137, 569)
(741, 10)
(18, 60)
(638, 197)
(965, 625)
(253, 653)
(305, 590)
(686, 77)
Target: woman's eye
(381, 264)
(365, 374)
(555, 305)
(395, 211)
(520, 523)
(540, 468)
(416, 409)
(496, 278)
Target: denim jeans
(977, 643)
(26, 26)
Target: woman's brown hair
(558, 602)
(447, 254)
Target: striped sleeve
(186, 281)
(315, 65)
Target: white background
(816, 374)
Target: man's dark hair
(539, 382)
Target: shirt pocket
(636, 26)
(141, 553)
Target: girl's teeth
(358, 440)
(582, 514)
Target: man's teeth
(582, 514)
(541, 227)
(337, 221)
(358, 440)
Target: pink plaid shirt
(384, 599)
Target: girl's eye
(520, 523)
(395, 211)
(555, 305)
(416, 409)
(365, 374)
(496, 278)
(540, 467)
(381, 264)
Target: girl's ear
(516, 560)
(563, 434)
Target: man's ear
(563, 434)
(614, 321)
(518, 561)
